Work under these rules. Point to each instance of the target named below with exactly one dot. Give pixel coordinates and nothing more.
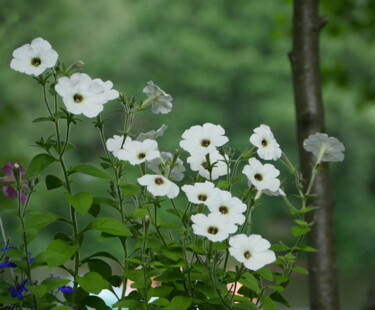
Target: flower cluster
(14, 174)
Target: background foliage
(223, 62)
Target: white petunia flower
(160, 100)
(203, 139)
(267, 147)
(213, 226)
(228, 206)
(159, 185)
(198, 162)
(157, 165)
(200, 193)
(324, 148)
(152, 134)
(262, 176)
(34, 58)
(253, 251)
(138, 152)
(82, 95)
(116, 144)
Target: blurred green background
(223, 62)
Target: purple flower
(7, 264)
(66, 289)
(18, 289)
(31, 259)
(8, 247)
(8, 190)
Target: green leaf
(279, 247)
(223, 184)
(180, 303)
(54, 283)
(267, 303)
(52, 182)
(306, 248)
(81, 202)
(92, 171)
(249, 281)
(42, 119)
(303, 211)
(38, 220)
(39, 291)
(95, 302)
(300, 270)
(161, 302)
(38, 164)
(100, 267)
(280, 299)
(92, 282)
(94, 209)
(160, 291)
(128, 303)
(130, 189)
(298, 230)
(10, 300)
(61, 308)
(57, 253)
(110, 226)
(265, 273)
(139, 213)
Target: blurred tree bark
(304, 58)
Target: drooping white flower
(203, 139)
(279, 192)
(34, 58)
(198, 162)
(152, 134)
(116, 144)
(138, 152)
(262, 176)
(158, 185)
(213, 226)
(267, 147)
(228, 206)
(82, 95)
(160, 100)
(163, 165)
(325, 147)
(200, 193)
(253, 251)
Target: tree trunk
(310, 119)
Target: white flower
(203, 139)
(327, 148)
(213, 226)
(253, 251)
(138, 152)
(279, 192)
(159, 185)
(34, 58)
(198, 162)
(160, 100)
(82, 95)
(228, 206)
(106, 87)
(152, 134)
(116, 144)
(200, 193)
(262, 176)
(163, 165)
(264, 140)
